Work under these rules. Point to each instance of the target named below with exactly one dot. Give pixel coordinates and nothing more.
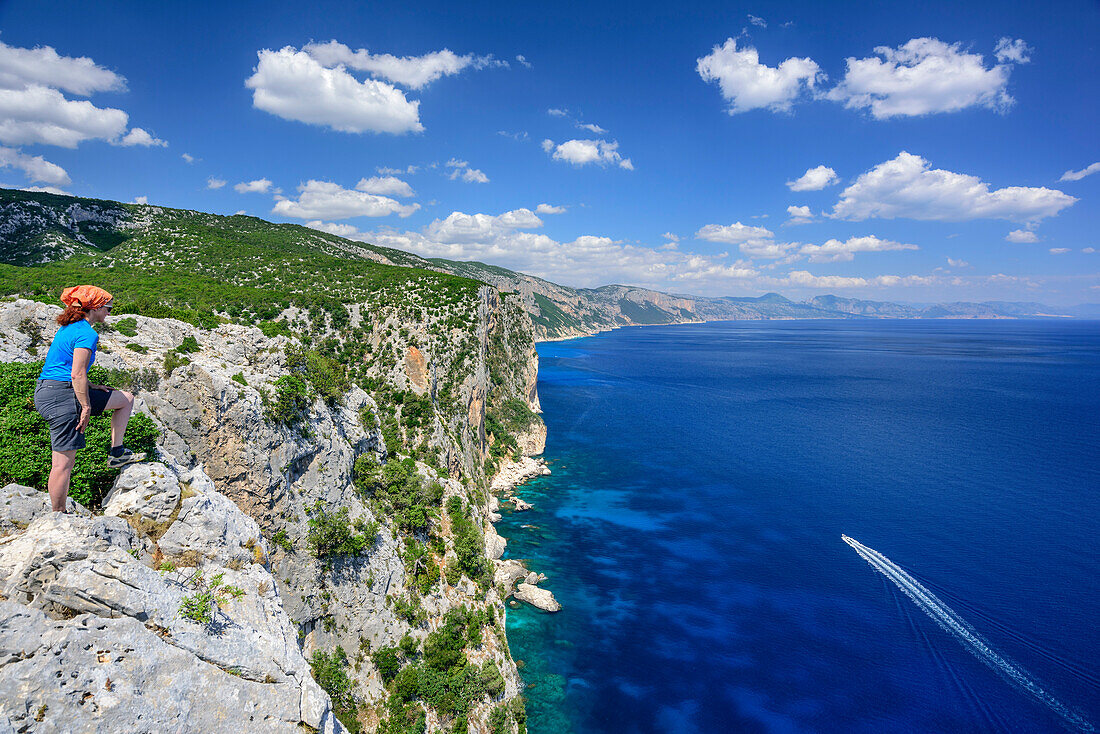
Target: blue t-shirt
(59, 360)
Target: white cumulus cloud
(583, 152)
(908, 187)
(37, 114)
(35, 168)
(215, 183)
(748, 84)
(1059, 250)
(844, 251)
(549, 209)
(33, 108)
(1021, 236)
(295, 86)
(463, 171)
(1011, 50)
(140, 136)
(814, 179)
(733, 234)
(385, 185)
(957, 263)
(327, 200)
(587, 260)
(1072, 175)
(799, 215)
(187, 158)
(414, 72)
(258, 186)
(925, 76)
(756, 20)
(42, 65)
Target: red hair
(71, 315)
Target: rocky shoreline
(508, 572)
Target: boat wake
(951, 622)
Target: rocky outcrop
(20, 505)
(516, 472)
(242, 480)
(536, 597)
(94, 638)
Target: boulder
(91, 674)
(494, 544)
(507, 573)
(146, 494)
(521, 506)
(19, 505)
(536, 597)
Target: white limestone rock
(494, 544)
(91, 674)
(536, 597)
(516, 472)
(19, 505)
(507, 573)
(150, 492)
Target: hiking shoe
(126, 457)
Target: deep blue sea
(703, 475)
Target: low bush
(327, 376)
(25, 438)
(331, 673)
(202, 606)
(469, 543)
(292, 400)
(332, 534)
(127, 326)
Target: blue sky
(877, 150)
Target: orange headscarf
(88, 297)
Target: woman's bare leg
(60, 473)
(122, 403)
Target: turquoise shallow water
(703, 476)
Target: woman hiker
(63, 396)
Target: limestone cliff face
(212, 416)
(92, 634)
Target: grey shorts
(56, 402)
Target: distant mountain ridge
(36, 228)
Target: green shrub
(499, 719)
(368, 475)
(127, 326)
(516, 415)
(281, 539)
(469, 543)
(201, 607)
(387, 662)
(292, 399)
(189, 345)
(25, 455)
(325, 375)
(409, 645)
(239, 378)
(332, 534)
(491, 679)
(172, 360)
(331, 673)
(410, 611)
(31, 328)
(135, 347)
(272, 329)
